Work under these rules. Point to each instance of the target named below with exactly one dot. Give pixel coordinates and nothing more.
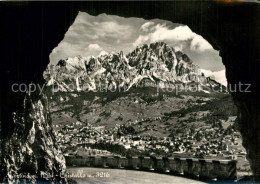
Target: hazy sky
(92, 35)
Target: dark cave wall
(31, 30)
(29, 33)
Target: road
(120, 176)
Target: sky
(94, 35)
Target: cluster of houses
(204, 141)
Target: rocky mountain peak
(157, 62)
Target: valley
(153, 101)
(141, 122)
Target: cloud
(145, 27)
(219, 76)
(71, 49)
(101, 27)
(200, 44)
(94, 47)
(113, 33)
(140, 40)
(179, 35)
(111, 30)
(178, 48)
(102, 53)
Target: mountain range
(157, 64)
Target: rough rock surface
(32, 152)
(152, 65)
